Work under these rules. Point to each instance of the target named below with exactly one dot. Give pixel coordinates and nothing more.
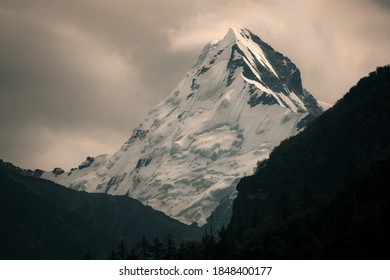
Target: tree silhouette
(143, 248)
(157, 248)
(122, 251)
(170, 247)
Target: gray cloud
(77, 76)
(383, 3)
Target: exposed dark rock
(58, 171)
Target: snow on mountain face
(238, 101)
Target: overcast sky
(77, 76)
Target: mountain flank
(238, 101)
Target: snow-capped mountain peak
(253, 52)
(237, 102)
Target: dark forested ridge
(43, 220)
(340, 143)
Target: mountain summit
(239, 100)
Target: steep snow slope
(238, 101)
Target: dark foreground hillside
(43, 220)
(325, 192)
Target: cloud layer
(76, 77)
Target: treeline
(145, 249)
(167, 248)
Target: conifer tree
(122, 251)
(170, 247)
(143, 248)
(157, 248)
